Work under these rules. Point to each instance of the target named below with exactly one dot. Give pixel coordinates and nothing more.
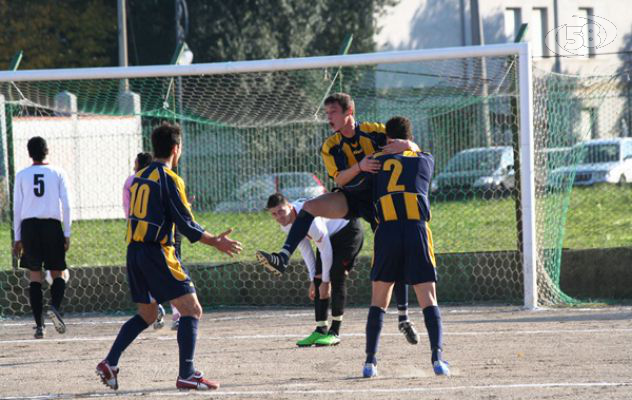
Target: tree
(56, 34)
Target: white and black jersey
(40, 205)
(322, 232)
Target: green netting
(248, 135)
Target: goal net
(254, 128)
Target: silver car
(481, 169)
(599, 161)
(253, 194)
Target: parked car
(598, 161)
(482, 169)
(253, 194)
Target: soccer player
(346, 155)
(158, 202)
(40, 204)
(338, 242)
(403, 243)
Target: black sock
(299, 230)
(374, 324)
(336, 320)
(432, 319)
(187, 335)
(338, 300)
(320, 308)
(129, 331)
(57, 290)
(401, 297)
(35, 296)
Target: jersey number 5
(396, 167)
(139, 200)
(38, 185)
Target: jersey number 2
(38, 185)
(397, 167)
(139, 201)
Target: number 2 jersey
(40, 191)
(158, 201)
(401, 187)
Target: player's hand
(370, 164)
(396, 146)
(324, 290)
(312, 291)
(227, 245)
(17, 248)
(66, 243)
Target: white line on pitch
(299, 335)
(281, 392)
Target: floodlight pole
(122, 41)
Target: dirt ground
(494, 353)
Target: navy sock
(374, 324)
(432, 319)
(320, 308)
(187, 335)
(401, 297)
(35, 296)
(57, 290)
(299, 230)
(129, 331)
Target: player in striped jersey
(403, 247)
(40, 204)
(338, 242)
(346, 155)
(158, 203)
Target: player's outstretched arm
(222, 242)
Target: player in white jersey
(40, 205)
(338, 242)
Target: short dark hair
(38, 150)
(144, 159)
(276, 200)
(399, 128)
(164, 138)
(345, 101)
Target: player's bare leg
(380, 298)
(190, 313)
(427, 298)
(328, 205)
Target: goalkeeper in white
(338, 242)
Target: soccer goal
(255, 127)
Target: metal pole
(478, 38)
(122, 41)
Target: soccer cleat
(311, 339)
(409, 331)
(196, 382)
(55, 317)
(369, 370)
(327, 340)
(159, 323)
(108, 374)
(441, 367)
(273, 262)
(40, 332)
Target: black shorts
(360, 205)
(346, 245)
(43, 245)
(155, 271)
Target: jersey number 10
(139, 201)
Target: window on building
(513, 20)
(539, 27)
(589, 123)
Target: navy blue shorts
(403, 252)
(155, 270)
(360, 205)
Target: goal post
(249, 105)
